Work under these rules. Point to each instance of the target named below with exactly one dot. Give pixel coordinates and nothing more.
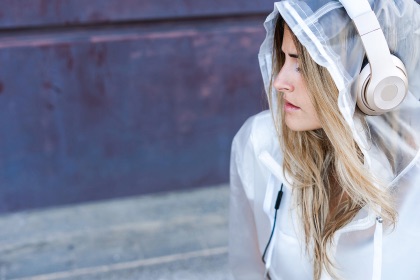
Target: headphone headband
(383, 87)
(355, 8)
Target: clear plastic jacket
(362, 249)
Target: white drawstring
(266, 274)
(377, 249)
(270, 255)
(268, 207)
(269, 200)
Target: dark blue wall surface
(40, 13)
(105, 99)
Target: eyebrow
(293, 55)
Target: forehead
(288, 45)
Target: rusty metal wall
(102, 99)
(105, 99)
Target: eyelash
(297, 69)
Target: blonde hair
(330, 182)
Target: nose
(282, 82)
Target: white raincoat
(362, 249)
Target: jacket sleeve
(244, 255)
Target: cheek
(310, 109)
(305, 100)
(310, 112)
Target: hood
(389, 142)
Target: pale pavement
(171, 236)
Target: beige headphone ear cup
(362, 83)
(387, 95)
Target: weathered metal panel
(23, 13)
(106, 113)
(101, 110)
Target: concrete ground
(171, 236)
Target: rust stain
(43, 7)
(95, 98)
(246, 42)
(136, 55)
(47, 85)
(70, 63)
(57, 7)
(98, 54)
(97, 16)
(64, 51)
(49, 106)
(91, 100)
(110, 150)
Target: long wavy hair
(329, 180)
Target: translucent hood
(390, 142)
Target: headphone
(382, 84)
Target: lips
(289, 107)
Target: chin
(302, 126)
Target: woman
(350, 176)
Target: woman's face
(299, 112)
